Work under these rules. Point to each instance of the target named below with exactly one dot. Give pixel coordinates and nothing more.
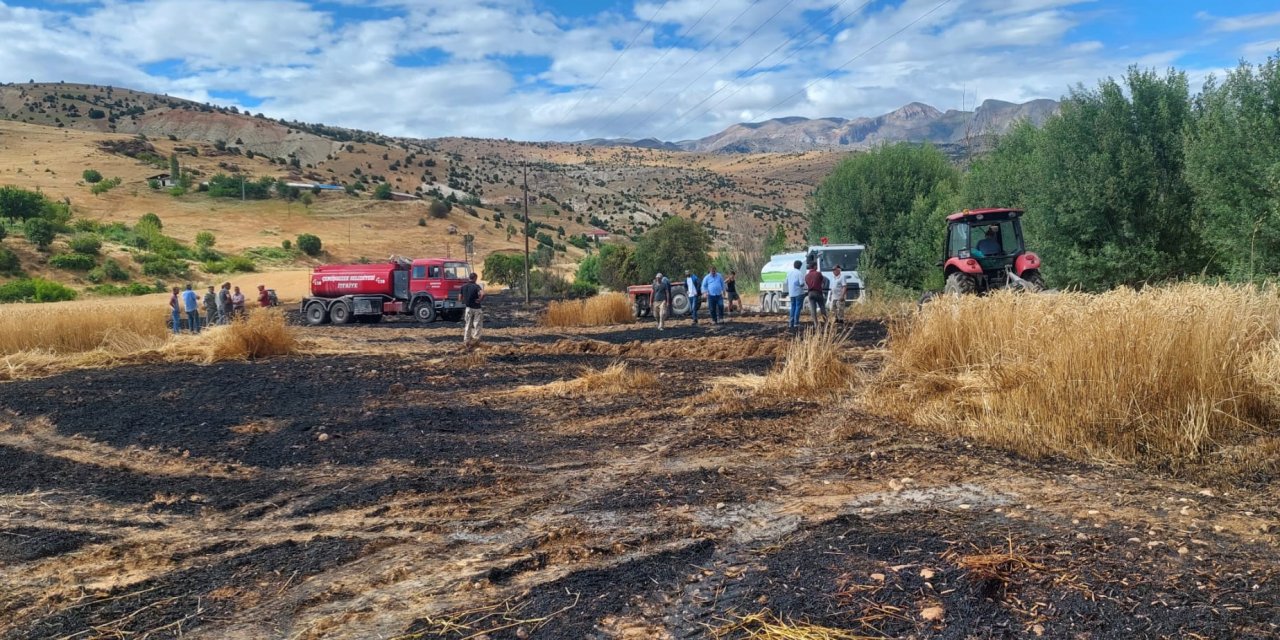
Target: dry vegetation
(35, 343)
(814, 366)
(766, 626)
(1166, 374)
(608, 308)
(615, 378)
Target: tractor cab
(985, 251)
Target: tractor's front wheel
(961, 284)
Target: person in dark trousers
(713, 285)
(731, 293)
(660, 299)
(191, 304)
(224, 303)
(210, 307)
(795, 293)
(470, 296)
(693, 287)
(813, 282)
(175, 316)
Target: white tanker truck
(773, 275)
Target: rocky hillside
(914, 122)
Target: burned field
(410, 490)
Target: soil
(410, 489)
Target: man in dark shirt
(813, 282)
(660, 299)
(470, 296)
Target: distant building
(400, 196)
(311, 185)
(511, 200)
(164, 179)
(599, 235)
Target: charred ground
(415, 490)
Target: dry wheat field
(1058, 466)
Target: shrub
(162, 267)
(20, 204)
(610, 308)
(382, 192)
(178, 190)
(422, 222)
(309, 244)
(271, 254)
(154, 184)
(72, 261)
(39, 231)
(87, 243)
(86, 225)
(35, 290)
(286, 244)
(91, 176)
(151, 219)
(438, 209)
(105, 186)
(9, 263)
(504, 268)
(205, 239)
(131, 289)
(583, 290)
(241, 264)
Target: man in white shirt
(795, 291)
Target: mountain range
(915, 122)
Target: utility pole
(526, 232)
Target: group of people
(809, 286)
(714, 287)
(221, 306)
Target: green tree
(588, 270)
(870, 198)
(9, 263)
(543, 256)
(39, 232)
(618, 267)
(382, 191)
(1233, 167)
(91, 176)
(504, 268)
(20, 204)
(1108, 201)
(174, 171)
(776, 242)
(438, 208)
(151, 219)
(309, 244)
(675, 245)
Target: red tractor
(984, 251)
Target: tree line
(1134, 181)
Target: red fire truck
(425, 287)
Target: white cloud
(1241, 23)
(514, 68)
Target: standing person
(210, 307)
(191, 303)
(224, 303)
(839, 288)
(237, 303)
(813, 281)
(713, 285)
(795, 291)
(264, 298)
(660, 299)
(692, 287)
(175, 316)
(731, 292)
(470, 296)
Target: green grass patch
(35, 290)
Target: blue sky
(564, 70)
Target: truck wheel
(425, 312)
(679, 304)
(340, 313)
(961, 284)
(315, 313)
(764, 303)
(775, 302)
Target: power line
(855, 58)
(662, 57)
(564, 117)
(683, 117)
(722, 58)
(684, 64)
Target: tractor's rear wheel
(961, 284)
(1033, 276)
(679, 304)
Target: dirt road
(415, 491)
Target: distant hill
(915, 122)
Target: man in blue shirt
(795, 291)
(713, 286)
(191, 304)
